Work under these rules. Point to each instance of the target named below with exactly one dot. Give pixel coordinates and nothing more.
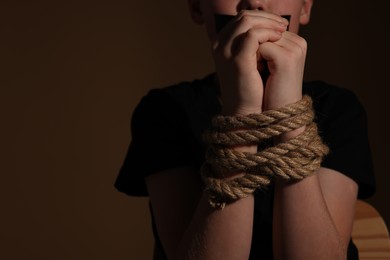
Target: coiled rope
(293, 160)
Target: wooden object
(370, 233)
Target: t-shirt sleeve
(346, 135)
(159, 142)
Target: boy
(259, 67)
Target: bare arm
(313, 218)
(308, 225)
(189, 227)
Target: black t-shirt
(167, 128)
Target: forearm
(303, 227)
(219, 234)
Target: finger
(240, 28)
(289, 47)
(264, 14)
(250, 35)
(249, 43)
(248, 19)
(292, 40)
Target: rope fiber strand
(293, 160)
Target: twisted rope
(293, 160)
(228, 123)
(253, 136)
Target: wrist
(281, 94)
(239, 111)
(272, 103)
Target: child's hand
(286, 62)
(238, 53)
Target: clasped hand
(252, 38)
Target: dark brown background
(71, 75)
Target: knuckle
(245, 20)
(299, 50)
(303, 44)
(241, 13)
(251, 33)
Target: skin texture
(312, 218)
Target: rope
(293, 160)
(253, 136)
(268, 117)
